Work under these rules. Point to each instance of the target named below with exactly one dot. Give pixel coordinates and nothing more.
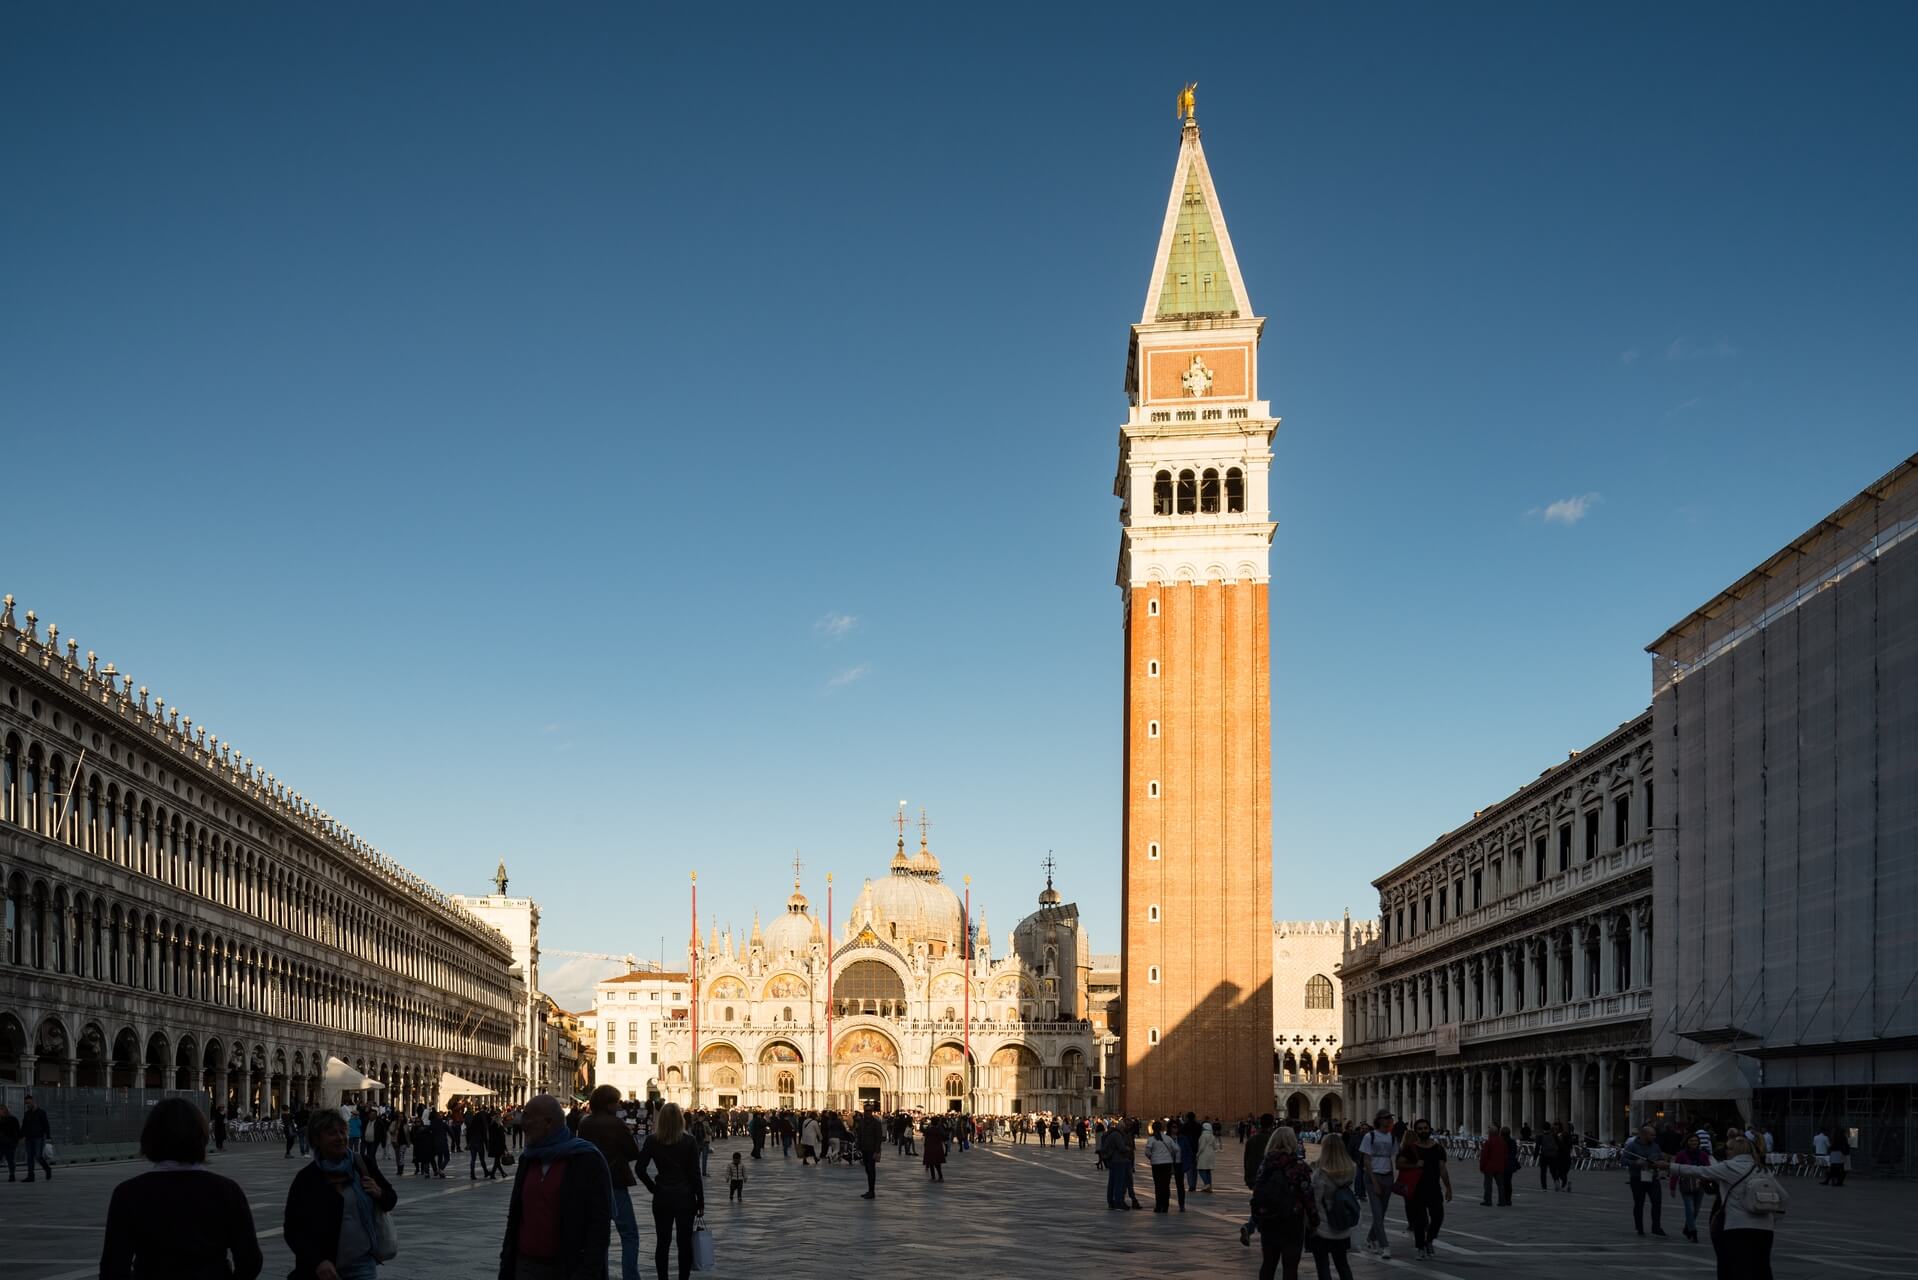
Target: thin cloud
(835, 625)
(849, 675)
(1566, 510)
(1628, 356)
(1683, 349)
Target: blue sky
(625, 439)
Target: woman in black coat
(669, 1166)
(178, 1220)
(327, 1244)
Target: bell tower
(1194, 560)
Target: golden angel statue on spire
(1184, 111)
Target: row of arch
(1014, 1069)
(71, 931)
(1198, 491)
(248, 1078)
(876, 987)
(39, 791)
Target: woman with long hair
(669, 1165)
(1283, 1210)
(1338, 1204)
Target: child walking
(736, 1180)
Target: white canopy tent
(1720, 1076)
(452, 1086)
(339, 1078)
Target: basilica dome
(792, 932)
(910, 904)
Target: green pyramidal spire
(1195, 282)
(1199, 280)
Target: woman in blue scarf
(332, 1225)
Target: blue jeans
(37, 1155)
(628, 1228)
(1691, 1194)
(1378, 1200)
(364, 1269)
(1189, 1162)
(1115, 1185)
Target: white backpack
(1758, 1192)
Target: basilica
(905, 1005)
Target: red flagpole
(829, 926)
(692, 977)
(966, 944)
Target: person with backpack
(1338, 1206)
(1379, 1150)
(1282, 1206)
(1750, 1202)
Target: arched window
(1318, 992)
(1234, 489)
(1188, 493)
(1162, 494)
(869, 980)
(729, 1013)
(1209, 491)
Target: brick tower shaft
(1194, 462)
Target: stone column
(1607, 1114)
(1579, 979)
(1485, 1113)
(1508, 977)
(1608, 955)
(1641, 945)
(1553, 979)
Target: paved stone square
(1005, 1211)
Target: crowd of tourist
(572, 1188)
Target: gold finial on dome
(1185, 110)
(899, 863)
(1049, 896)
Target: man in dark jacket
(1255, 1148)
(476, 1127)
(605, 1130)
(37, 1133)
(560, 1219)
(871, 1136)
